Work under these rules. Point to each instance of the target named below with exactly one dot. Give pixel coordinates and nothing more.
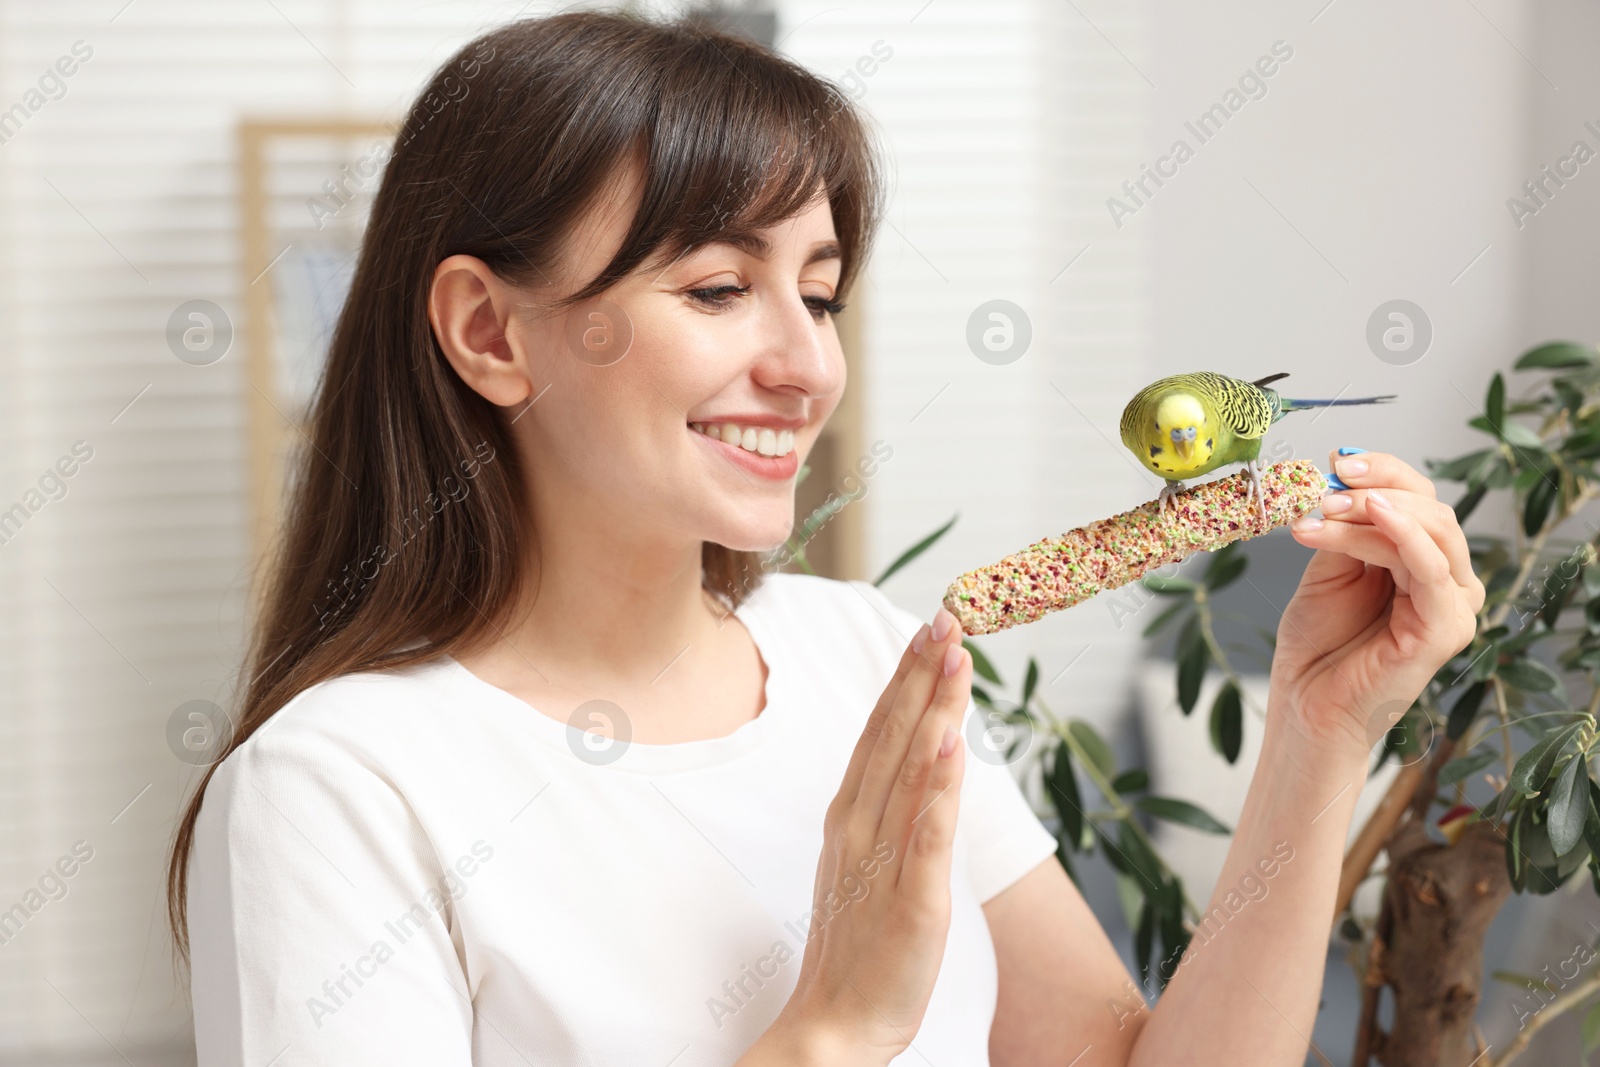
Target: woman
(588, 343)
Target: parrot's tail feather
(1301, 405)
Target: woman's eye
(718, 296)
(821, 304)
(721, 296)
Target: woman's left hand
(1388, 598)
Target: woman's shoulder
(813, 608)
(342, 721)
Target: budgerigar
(1191, 424)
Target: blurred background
(183, 184)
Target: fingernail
(920, 639)
(1349, 450)
(1351, 468)
(948, 745)
(1335, 504)
(942, 622)
(952, 660)
(1375, 497)
(1307, 523)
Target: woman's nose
(800, 352)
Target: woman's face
(684, 399)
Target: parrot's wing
(1135, 415)
(1269, 379)
(1242, 406)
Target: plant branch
(1566, 1002)
(1203, 603)
(1505, 721)
(1123, 810)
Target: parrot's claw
(1169, 493)
(1253, 469)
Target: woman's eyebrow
(756, 245)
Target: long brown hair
(503, 153)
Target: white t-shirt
(417, 868)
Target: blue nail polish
(1346, 450)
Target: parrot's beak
(1184, 448)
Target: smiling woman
(613, 268)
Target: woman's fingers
(925, 873)
(1365, 469)
(915, 795)
(1436, 517)
(1358, 541)
(1435, 595)
(851, 786)
(900, 723)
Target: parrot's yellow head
(1180, 441)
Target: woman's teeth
(759, 439)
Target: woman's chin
(754, 536)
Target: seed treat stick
(1059, 572)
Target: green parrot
(1191, 424)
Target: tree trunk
(1428, 945)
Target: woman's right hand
(882, 895)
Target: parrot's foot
(1252, 469)
(1169, 493)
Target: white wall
(1004, 120)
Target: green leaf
(1533, 768)
(1537, 507)
(1569, 805)
(1560, 584)
(1194, 656)
(1591, 822)
(1555, 354)
(1519, 436)
(1097, 750)
(1140, 858)
(1457, 469)
(1529, 675)
(1226, 566)
(1131, 896)
(1465, 710)
(1485, 668)
(1515, 869)
(1468, 502)
(1168, 586)
(1465, 766)
(1174, 938)
(1227, 722)
(1494, 405)
(1181, 811)
(1065, 796)
(980, 663)
(1030, 681)
(1143, 941)
(916, 550)
(1131, 781)
(1517, 978)
(1591, 1028)
(1167, 615)
(1064, 855)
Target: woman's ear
(470, 310)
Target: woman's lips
(776, 468)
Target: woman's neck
(600, 604)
